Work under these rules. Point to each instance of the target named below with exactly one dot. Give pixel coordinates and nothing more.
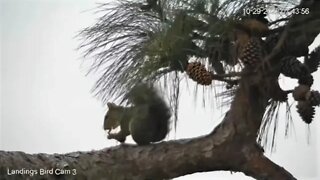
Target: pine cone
(306, 80)
(291, 67)
(299, 92)
(313, 61)
(313, 97)
(251, 52)
(306, 111)
(198, 73)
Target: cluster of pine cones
(251, 52)
(290, 67)
(307, 99)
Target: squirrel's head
(111, 119)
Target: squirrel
(147, 120)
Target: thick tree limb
(260, 167)
(159, 161)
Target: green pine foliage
(135, 40)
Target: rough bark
(221, 150)
(231, 146)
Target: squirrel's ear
(110, 105)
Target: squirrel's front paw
(116, 137)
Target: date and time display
(275, 10)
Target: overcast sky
(46, 105)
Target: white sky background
(46, 105)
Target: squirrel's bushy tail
(152, 115)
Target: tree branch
(159, 161)
(260, 167)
